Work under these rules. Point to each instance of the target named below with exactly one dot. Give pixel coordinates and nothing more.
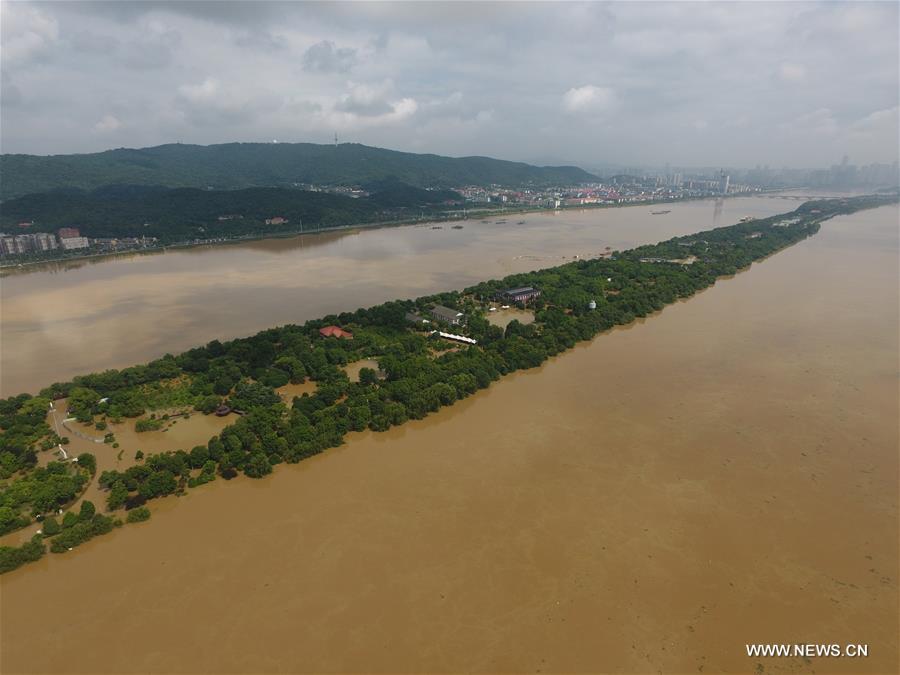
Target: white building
(71, 243)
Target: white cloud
(589, 98)
(817, 123)
(877, 122)
(206, 91)
(27, 33)
(107, 124)
(792, 72)
(370, 104)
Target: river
(61, 320)
(721, 473)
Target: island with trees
(419, 370)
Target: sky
(691, 84)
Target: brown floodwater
(501, 317)
(66, 319)
(722, 473)
(289, 391)
(352, 369)
(179, 433)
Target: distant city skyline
(794, 85)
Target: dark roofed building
(447, 315)
(523, 294)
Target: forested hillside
(241, 165)
(186, 213)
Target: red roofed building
(335, 331)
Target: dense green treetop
(179, 214)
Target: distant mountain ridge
(243, 165)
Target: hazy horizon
(647, 84)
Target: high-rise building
(45, 241)
(724, 180)
(24, 243)
(7, 245)
(68, 232)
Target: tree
(257, 466)
(368, 376)
(88, 461)
(118, 495)
(157, 484)
(359, 417)
(87, 511)
(199, 456)
(208, 404)
(11, 520)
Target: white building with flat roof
(71, 243)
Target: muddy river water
(62, 320)
(722, 473)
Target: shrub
(12, 557)
(50, 526)
(138, 515)
(81, 532)
(148, 425)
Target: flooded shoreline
(113, 313)
(723, 472)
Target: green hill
(242, 165)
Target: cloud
(368, 100)
(211, 103)
(27, 33)
(634, 83)
(819, 122)
(792, 72)
(325, 57)
(10, 94)
(203, 92)
(107, 124)
(377, 113)
(876, 121)
(372, 104)
(154, 48)
(589, 98)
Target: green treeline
(241, 165)
(419, 373)
(177, 215)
